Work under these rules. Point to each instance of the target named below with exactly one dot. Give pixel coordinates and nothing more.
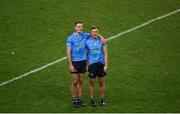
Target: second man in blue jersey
(98, 65)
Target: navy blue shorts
(96, 69)
(79, 66)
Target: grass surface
(144, 64)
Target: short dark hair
(77, 22)
(93, 27)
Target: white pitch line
(143, 24)
(108, 39)
(33, 71)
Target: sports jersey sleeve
(69, 42)
(87, 35)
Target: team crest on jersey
(79, 45)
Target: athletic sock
(102, 97)
(91, 98)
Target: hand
(102, 39)
(71, 68)
(105, 68)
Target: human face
(94, 33)
(79, 27)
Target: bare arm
(105, 57)
(68, 52)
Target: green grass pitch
(144, 65)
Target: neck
(78, 33)
(94, 37)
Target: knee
(101, 83)
(81, 82)
(75, 82)
(91, 83)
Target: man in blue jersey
(76, 57)
(98, 65)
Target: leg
(91, 87)
(80, 87)
(80, 84)
(74, 89)
(92, 77)
(74, 86)
(101, 90)
(91, 91)
(101, 86)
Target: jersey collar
(75, 33)
(95, 39)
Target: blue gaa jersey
(95, 50)
(77, 44)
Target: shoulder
(87, 35)
(102, 40)
(99, 39)
(70, 37)
(88, 41)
